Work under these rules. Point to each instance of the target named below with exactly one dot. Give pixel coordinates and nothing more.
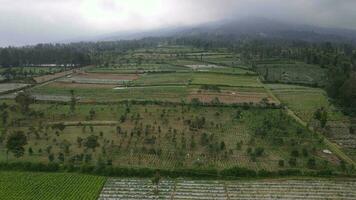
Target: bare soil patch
(230, 97)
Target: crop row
(190, 189)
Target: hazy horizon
(25, 22)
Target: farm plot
(7, 87)
(116, 188)
(99, 78)
(143, 68)
(233, 70)
(136, 189)
(304, 101)
(44, 186)
(299, 73)
(225, 80)
(204, 66)
(49, 77)
(224, 60)
(111, 93)
(190, 189)
(292, 189)
(163, 137)
(163, 79)
(232, 95)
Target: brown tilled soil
(230, 97)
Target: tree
(73, 101)
(348, 93)
(4, 117)
(24, 99)
(222, 146)
(79, 141)
(51, 157)
(281, 163)
(91, 114)
(238, 114)
(16, 142)
(155, 181)
(311, 163)
(30, 151)
(91, 142)
(322, 116)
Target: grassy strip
(226, 174)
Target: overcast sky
(34, 21)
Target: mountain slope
(255, 28)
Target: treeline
(73, 54)
(59, 54)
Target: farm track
(333, 147)
(116, 188)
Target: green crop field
(44, 186)
(305, 100)
(227, 80)
(138, 68)
(164, 79)
(298, 73)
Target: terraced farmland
(180, 189)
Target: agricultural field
(99, 78)
(173, 108)
(225, 80)
(305, 101)
(160, 136)
(49, 77)
(6, 87)
(173, 87)
(44, 186)
(139, 69)
(223, 190)
(298, 73)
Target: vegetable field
(224, 190)
(44, 186)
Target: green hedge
(232, 173)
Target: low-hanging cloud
(34, 21)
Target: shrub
(292, 162)
(281, 163)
